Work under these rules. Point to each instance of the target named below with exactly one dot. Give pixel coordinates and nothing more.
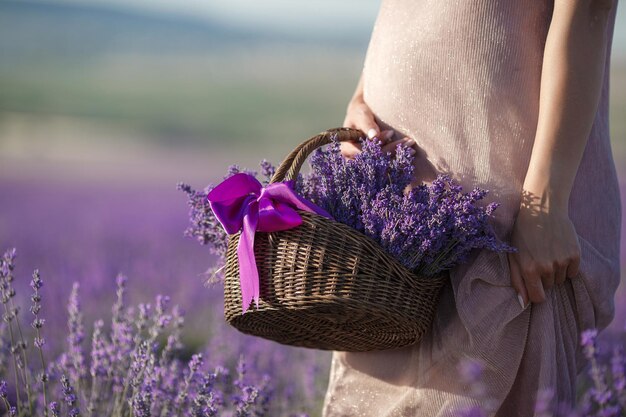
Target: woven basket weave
(324, 285)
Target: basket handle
(290, 167)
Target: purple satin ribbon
(242, 203)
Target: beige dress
(462, 78)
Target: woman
(511, 96)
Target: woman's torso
(463, 79)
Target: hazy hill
(39, 30)
(174, 78)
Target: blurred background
(106, 104)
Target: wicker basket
(324, 285)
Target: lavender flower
(100, 365)
(18, 343)
(606, 396)
(37, 324)
(204, 225)
(471, 411)
(142, 400)
(4, 394)
(194, 366)
(471, 372)
(428, 228)
(618, 365)
(69, 396)
(75, 360)
(543, 405)
(267, 171)
(55, 409)
(127, 374)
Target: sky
(352, 18)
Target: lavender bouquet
(428, 228)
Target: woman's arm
(571, 82)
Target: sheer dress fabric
(462, 78)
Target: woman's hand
(360, 116)
(548, 249)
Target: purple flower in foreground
(205, 403)
(142, 400)
(267, 171)
(204, 226)
(55, 409)
(472, 411)
(588, 340)
(471, 370)
(618, 364)
(75, 359)
(606, 396)
(69, 396)
(37, 323)
(543, 404)
(128, 374)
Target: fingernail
(521, 301)
(409, 142)
(372, 133)
(389, 134)
(412, 151)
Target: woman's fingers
(560, 274)
(532, 277)
(534, 287)
(359, 116)
(391, 146)
(386, 135)
(572, 268)
(538, 280)
(517, 281)
(548, 280)
(350, 149)
(548, 248)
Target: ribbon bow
(242, 203)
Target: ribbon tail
(248, 272)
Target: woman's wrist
(356, 101)
(358, 92)
(544, 193)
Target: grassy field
(238, 98)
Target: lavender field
(97, 127)
(89, 234)
(88, 231)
